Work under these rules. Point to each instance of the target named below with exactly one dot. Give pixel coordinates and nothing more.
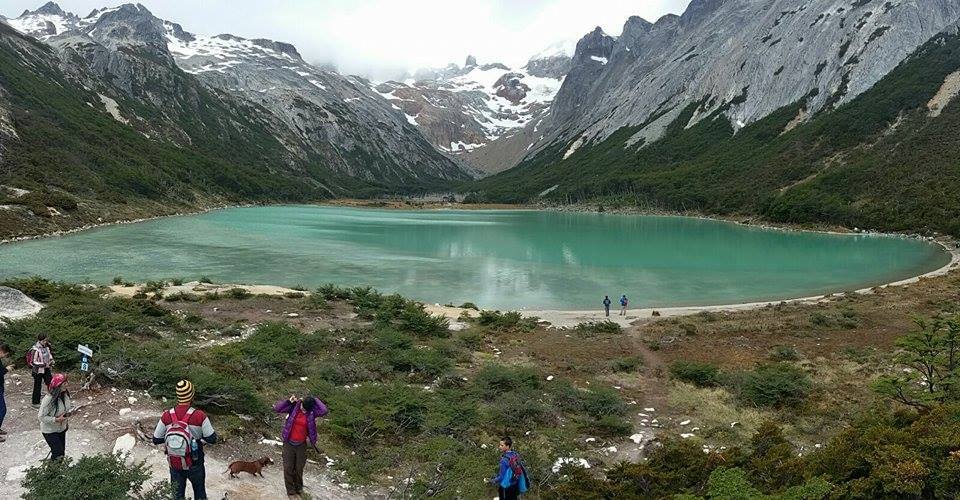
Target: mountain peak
(698, 9)
(471, 62)
(50, 8)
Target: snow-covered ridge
(463, 109)
(50, 20)
(202, 53)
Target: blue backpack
(519, 472)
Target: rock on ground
(14, 304)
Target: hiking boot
(35, 405)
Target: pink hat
(57, 380)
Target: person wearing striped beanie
(202, 432)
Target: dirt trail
(113, 414)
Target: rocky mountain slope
(744, 58)
(885, 159)
(470, 111)
(323, 120)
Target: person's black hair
(5, 348)
(507, 441)
(308, 403)
(41, 336)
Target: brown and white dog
(255, 467)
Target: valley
(771, 184)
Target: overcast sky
(377, 36)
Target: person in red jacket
(202, 431)
(300, 426)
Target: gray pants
(294, 459)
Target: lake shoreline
(571, 317)
(405, 204)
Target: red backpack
(178, 441)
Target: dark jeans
(196, 474)
(607, 310)
(294, 459)
(57, 442)
(3, 405)
(511, 493)
(37, 378)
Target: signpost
(85, 354)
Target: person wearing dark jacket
(300, 426)
(202, 431)
(4, 354)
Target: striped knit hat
(185, 392)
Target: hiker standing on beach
(300, 426)
(183, 430)
(40, 361)
(54, 411)
(4, 354)
(606, 304)
(623, 305)
(511, 478)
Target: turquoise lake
(507, 259)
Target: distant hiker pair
(623, 305)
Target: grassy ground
(418, 407)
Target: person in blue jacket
(511, 478)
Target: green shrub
(372, 413)
(42, 289)
(368, 302)
(628, 364)
(294, 295)
(731, 483)
(592, 328)
(93, 477)
(238, 293)
(493, 380)
(775, 385)
(154, 286)
(784, 353)
(176, 281)
(469, 305)
(471, 340)
(820, 319)
(205, 280)
(118, 280)
(429, 363)
(415, 319)
(516, 411)
(599, 403)
(566, 397)
(511, 321)
(316, 301)
(330, 291)
(696, 373)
